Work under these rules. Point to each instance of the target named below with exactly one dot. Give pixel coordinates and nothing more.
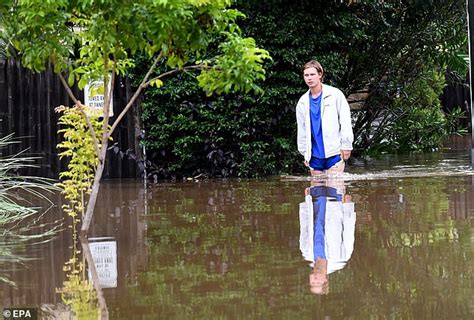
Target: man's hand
(306, 163)
(345, 154)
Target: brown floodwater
(393, 237)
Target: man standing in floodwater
(324, 124)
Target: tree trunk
(95, 190)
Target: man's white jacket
(340, 221)
(335, 122)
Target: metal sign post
(470, 24)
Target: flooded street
(394, 239)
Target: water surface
(225, 249)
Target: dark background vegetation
(389, 58)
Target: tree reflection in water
(219, 249)
(230, 248)
(82, 295)
(78, 292)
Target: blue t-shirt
(319, 207)
(317, 144)
(321, 195)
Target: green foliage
(419, 124)
(189, 135)
(12, 209)
(242, 62)
(377, 48)
(3, 46)
(78, 146)
(414, 38)
(89, 39)
(94, 40)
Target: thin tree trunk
(95, 190)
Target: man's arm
(301, 129)
(347, 136)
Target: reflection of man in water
(327, 225)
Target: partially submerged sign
(104, 254)
(94, 97)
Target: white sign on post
(94, 97)
(104, 254)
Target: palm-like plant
(17, 221)
(3, 47)
(3, 44)
(6, 48)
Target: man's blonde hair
(314, 64)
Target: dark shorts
(323, 164)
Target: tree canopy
(89, 40)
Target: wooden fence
(27, 102)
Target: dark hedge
(369, 47)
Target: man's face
(318, 283)
(312, 78)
